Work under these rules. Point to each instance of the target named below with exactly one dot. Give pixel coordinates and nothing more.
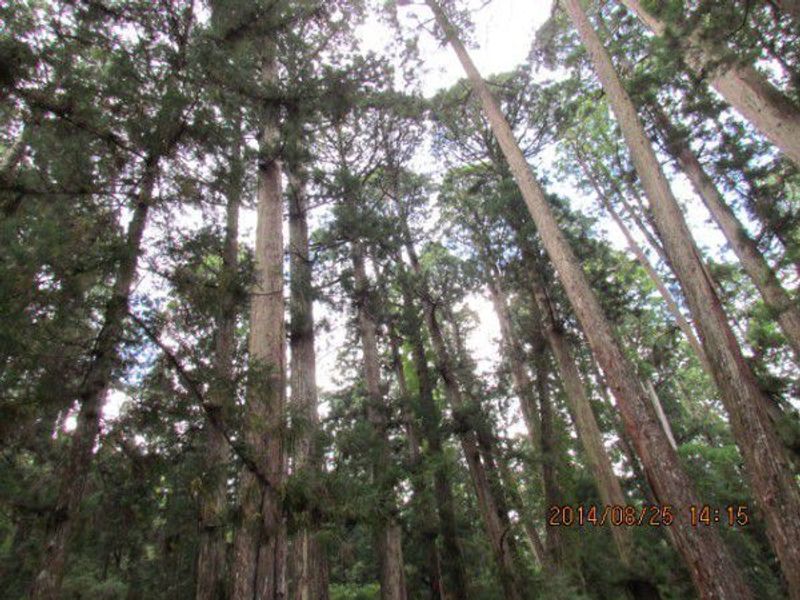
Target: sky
(504, 31)
(502, 36)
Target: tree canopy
(278, 319)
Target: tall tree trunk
(761, 204)
(666, 295)
(659, 410)
(211, 559)
(540, 426)
(104, 360)
(309, 562)
(388, 533)
(513, 354)
(454, 578)
(608, 485)
(585, 423)
(745, 89)
(783, 307)
(478, 421)
(491, 511)
(768, 465)
(709, 562)
(489, 506)
(259, 562)
(637, 219)
(426, 526)
(532, 536)
(549, 451)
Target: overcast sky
(504, 30)
(503, 33)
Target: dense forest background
(277, 321)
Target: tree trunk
(745, 89)
(711, 566)
(496, 529)
(659, 410)
(637, 219)
(104, 360)
(768, 465)
(540, 427)
(388, 533)
(669, 300)
(11, 157)
(309, 562)
(549, 452)
(427, 528)
(585, 423)
(588, 430)
(513, 353)
(211, 560)
(780, 303)
(259, 562)
(8, 164)
(488, 505)
(454, 578)
(472, 416)
(531, 534)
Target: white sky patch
(483, 342)
(503, 33)
(112, 407)
(502, 36)
(114, 404)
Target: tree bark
(512, 349)
(552, 490)
(259, 562)
(454, 578)
(768, 465)
(488, 504)
(669, 300)
(783, 307)
(745, 89)
(388, 533)
(105, 359)
(711, 566)
(309, 562)
(427, 528)
(211, 559)
(532, 536)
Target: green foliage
(97, 95)
(355, 591)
